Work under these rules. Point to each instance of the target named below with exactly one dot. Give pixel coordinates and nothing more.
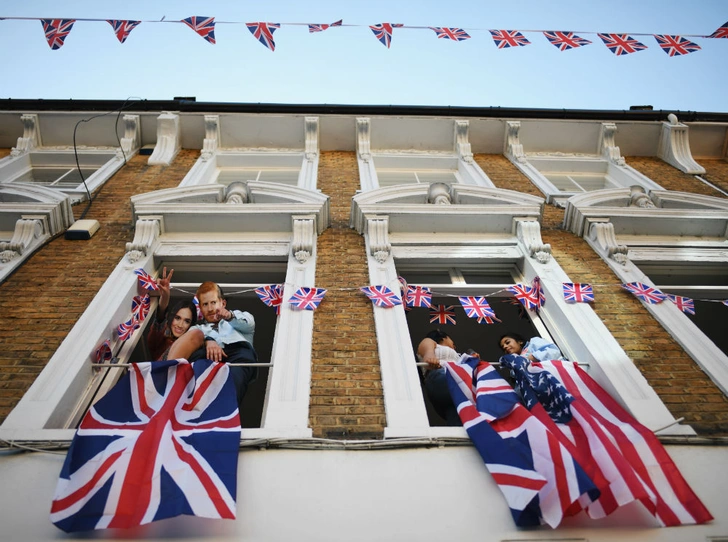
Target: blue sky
(349, 66)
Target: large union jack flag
(722, 32)
(139, 308)
(321, 27)
(565, 40)
(442, 314)
(418, 296)
(204, 26)
(621, 44)
(263, 32)
(146, 281)
(578, 293)
(646, 293)
(454, 34)
(383, 32)
(508, 38)
(163, 442)
(56, 31)
(307, 298)
(381, 296)
(676, 45)
(477, 307)
(685, 304)
(271, 295)
(122, 29)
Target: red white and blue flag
(685, 304)
(381, 296)
(454, 34)
(676, 45)
(163, 442)
(139, 308)
(538, 291)
(103, 352)
(307, 298)
(477, 307)
(126, 330)
(204, 26)
(508, 38)
(578, 293)
(383, 32)
(621, 44)
(419, 296)
(526, 295)
(196, 303)
(271, 295)
(122, 29)
(263, 32)
(646, 293)
(565, 40)
(146, 281)
(442, 314)
(722, 32)
(56, 31)
(321, 27)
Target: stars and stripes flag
(271, 295)
(321, 27)
(621, 44)
(685, 304)
(56, 31)
(204, 26)
(646, 293)
(418, 296)
(578, 293)
(722, 32)
(526, 295)
(442, 314)
(139, 308)
(307, 298)
(477, 307)
(263, 32)
(122, 29)
(163, 442)
(383, 32)
(537, 475)
(103, 352)
(381, 296)
(676, 45)
(565, 40)
(146, 281)
(454, 34)
(126, 329)
(508, 38)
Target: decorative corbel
(304, 233)
(601, 233)
(363, 137)
(378, 233)
(146, 233)
(639, 198)
(440, 194)
(607, 146)
(462, 142)
(528, 232)
(312, 138)
(31, 135)
(131, 141)
(26, 230)
(674, 147)
(168, 140)
(513, 148)
(212, 137)
(238, 192)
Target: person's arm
(426, 350)
(241, 321)
(542, 350)
(156, 341)
(164, 283)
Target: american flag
(122, 29)
(163, 442)
(565, 40)
(722, 32)
(685, 304)
(321, 27)
(56, 31)
(103, 352)
(578, 293)
(145, 280)
(271, 295)
(139, 308)
(526, 295)
(509, 38)
(263, 32)
(204, 26)
(381, 296)
(476, 307)
(648, 294)
(383, 32)
(621, 44)
(307, 298)
(454, 34)
(676, 45)
(442, 314)
(419, 296)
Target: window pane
(394, 177)
(710, 317)
(283, 176)
(429, 177)
(48, 175)
(563, 182)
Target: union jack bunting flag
(648, 294)
(196, 302)
(103, 352)
(381, 296)
(526, 295)
(565, 40)
(204, 26)
(538, 291)
(442, 314)
(307, 298)
(263, 32)
(145, 280)
(454, 34)
(477, 307)
(56, 31)
(321, 27)
(676, 45)
(508, 38)
(163, 442)
(127, 329)
(621, 44)
(685, 304)
(139, 308)
(271, 295)
(122, 29)
(419, 296)
(383, 32)
(725, 302)
(722, 32)
(578, 293)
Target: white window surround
(627, 227)
(495, 227)
(191, 224)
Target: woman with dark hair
(535, 349)
(169, 326)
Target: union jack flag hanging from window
(419, 296)
(56, 31)
(685, 304)
(122, 29)
(442, 314)
(508, 38)
(526, 295)
(383, 32)
(307, 298)
(648, 294)
(454, 34)
(204, 26)
(163, 442)
(722, 32)
(381, 296)
(145, 280)
(263, 32)
(321, 27)
(139, 308)
(103, 352)
(477, 307)
(271, 295)
(127, 329)
(676, 45)
(621, 44)
(565, 40)
(578, 293)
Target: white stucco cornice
(168, 139)
(674, 147)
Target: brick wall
(42, 300)
(4, 153)
(346, 386)
(670, 178)
(716, 171)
